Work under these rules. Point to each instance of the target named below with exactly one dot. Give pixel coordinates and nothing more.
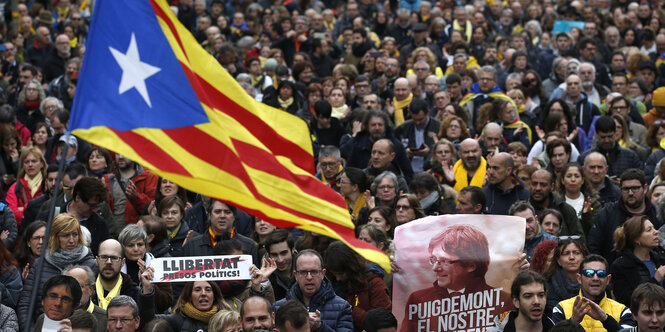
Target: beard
(473, 165)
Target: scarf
(284, 104)
(173, 233)
(91, 307)
(622, 143)
(338, 112)
(62, 258)
(468, 30)
(34, 183)
(426, 202)
(461, 175)
(331, 182)
(516, 124)
(31, 105)
(104, 300)
(202, 316)
(563, 288)
(216, 238)
(399, 109)
(357, 205)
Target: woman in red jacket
(28, 185)
(356, 281)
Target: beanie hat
(659, 97)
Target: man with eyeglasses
(110, 281)
(459, 257)
(361, 88)
(86, 279)
(620, 87)
(592, 308)
(633, 202)
(482, 92)
(327, 311)
(621, 106)
(330, 166)
(61, 294)
(123, 315)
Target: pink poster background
(505, 235)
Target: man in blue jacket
(327, 311)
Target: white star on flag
(134, 72)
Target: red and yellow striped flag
(149, 91)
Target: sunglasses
(572, 237)
(600, 273)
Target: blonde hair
(223, 320)
(64, 223)
(35, 151)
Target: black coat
(628, 272)
(600, 239)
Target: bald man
(401, 101)
(504, 188)
(110, 281)
(490, 140)
(470, 169)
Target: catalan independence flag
(149, 91)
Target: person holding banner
(459, 258)
(133, 239)
(199, 300)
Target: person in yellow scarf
(110, 281)
(402, 99)
(198, 302)
(353, 184)
(461, 23)
(470, 170)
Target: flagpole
(40, 265)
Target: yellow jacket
(619, 312)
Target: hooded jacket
(499, 200)
(336, 313)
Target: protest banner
(456, 271)
(199, 268)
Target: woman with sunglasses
(408, 209)
(636, 240)
(562, 272)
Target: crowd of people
(552, 111)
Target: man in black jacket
(418, 133)
(633, 202)
(221, 228)
(618, 158)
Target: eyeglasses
(55, 297)
(589, 273)
(37, 238)
(486, 79)
(328, 164)
(123, 321)
(629, 189)
(114, 259)
(571, 237)
(433, 260)
(454, 126)
(31, 89)
(386, 187)
(304, 273)
(402, 207)
(420, 69)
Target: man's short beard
(470, 166)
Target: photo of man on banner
(458, 256)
